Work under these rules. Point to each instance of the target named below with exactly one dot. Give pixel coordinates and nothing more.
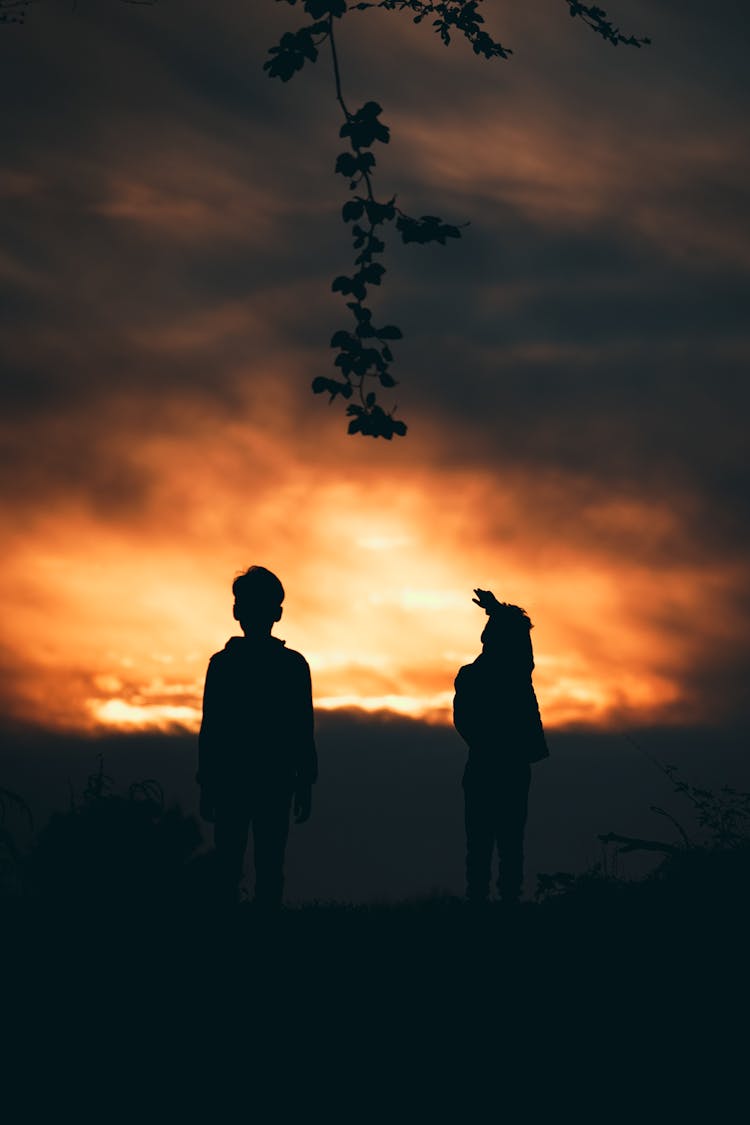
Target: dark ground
(412, 1011)
(613, 993)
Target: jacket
(495, 710)
(258, 727)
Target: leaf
(358, 289)
(320, 384)
(363, 317)
(380, 212)
(350, 164)
(293, 50)
(343, 339)
(374, 422)
(342, 284)
(346, 164)
(372, 274)
(346, 362)
(354, 209)
(372, 358)
(363, 127)
(429, 228)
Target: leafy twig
(364, 353)
(596, 19)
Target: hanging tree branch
(364, 355)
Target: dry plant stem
(634, 844)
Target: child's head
(258, 595)
(505, 622)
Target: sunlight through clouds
(574, 367)
(119, 713)
(379, 604)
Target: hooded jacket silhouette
(496, 713)
(495, 708)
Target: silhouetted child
(256, 746)
(496, 713)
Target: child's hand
(487, 600)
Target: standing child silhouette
(256, 745)
(496, 713)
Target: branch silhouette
(364, 353)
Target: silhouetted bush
(15, 816)
(128, 850)
(112, 848)
(704, 872)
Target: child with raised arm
(496, 713)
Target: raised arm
(487, 601)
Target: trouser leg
(231, 830)
(270, 832)
(480, 840)
(512, 809)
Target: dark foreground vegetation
(118, 954)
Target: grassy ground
(119, 966)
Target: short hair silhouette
(258, 596)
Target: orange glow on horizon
(111, 626)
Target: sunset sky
(573, 370)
